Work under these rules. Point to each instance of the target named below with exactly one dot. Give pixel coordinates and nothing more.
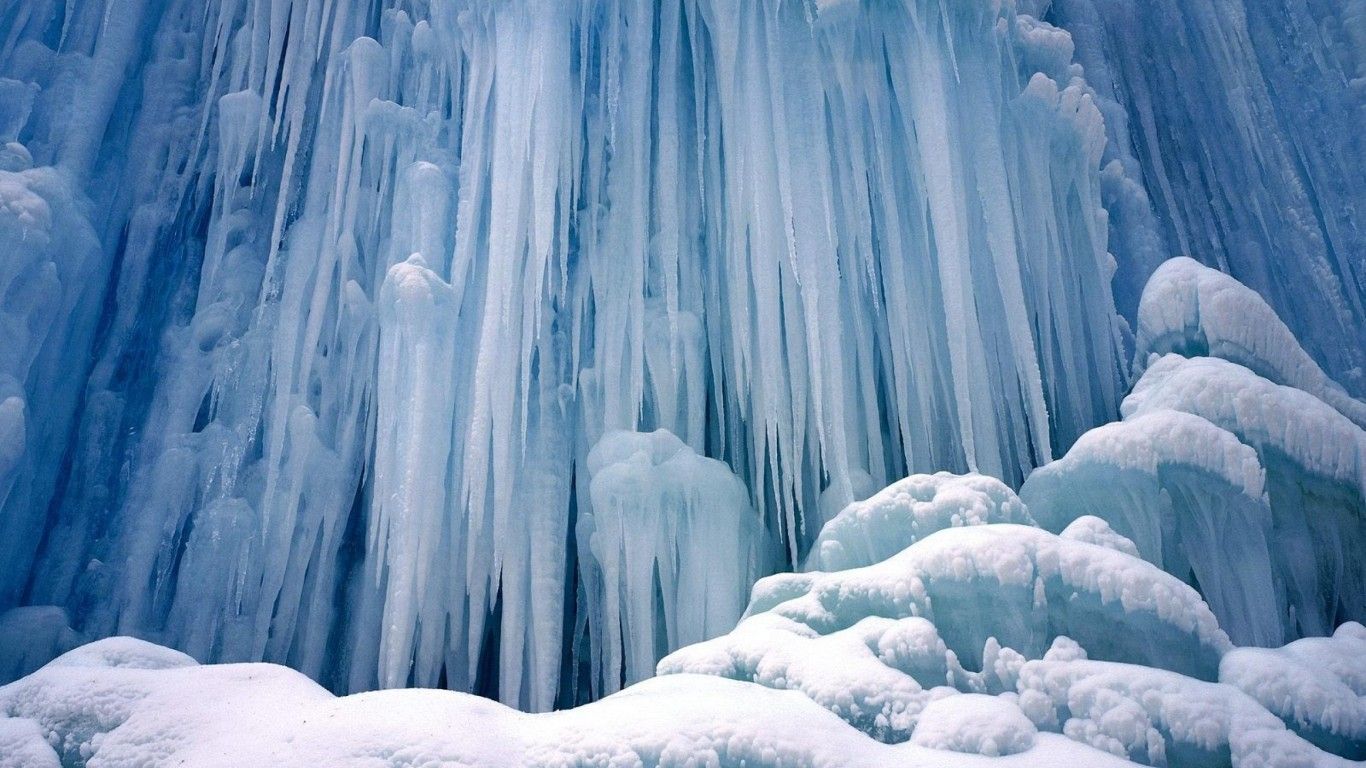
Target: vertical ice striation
(668, 552)
(1242, 120)
(380, 279)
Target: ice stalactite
(381, 278)
(668, 552)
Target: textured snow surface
(259, 714)
(908, 510)
(1196, 311)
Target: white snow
(1195, 311)
(261, 714)
(976, 724)
(908, 510)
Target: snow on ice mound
(1316, 685)
(876, 645)
(1195, 311)
(1315, 464)
(908, 510)
(982, 725)
(1190, 497)
(1159, 718)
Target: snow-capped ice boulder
(1194, 311)
(878, 675)
(1159, 718)
(1315, 463)
(908, 510)
(981, 725)
(1019, 585)
(670, 548)
(1191, 498)
(962, 608)
(1317, 685)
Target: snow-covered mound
(1315, 463)
(908, 510)
(1233, 481)
(119, 715)
(1194, 311)
(1190, 496)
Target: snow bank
(908, 510)
(261, 714)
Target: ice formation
(350, 320)
(662, 516)
(1233, 139)
(943, 621)
(505, 346)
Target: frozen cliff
(504, 346)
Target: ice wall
(377, 278)
(1242, 120)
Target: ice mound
(877, 644)
(908, 510)
(977, 724)
(1190, 497)
(1194, 311)
(1317, 685)
(670, 548)
(1159, 718)
(1315, 463)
